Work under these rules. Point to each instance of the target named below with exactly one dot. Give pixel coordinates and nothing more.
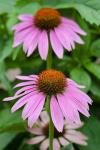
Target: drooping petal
(22, 26)
(26, 17)
(44, 145)
(43, 45)
(36, 113)
(73, 25)
(56, 44)
(22, 101)
(63, 141)
(56, 145)
(68, 109)
(36, 140)
(56, 114)
(65, 41)
(32, 104)
(36, 131)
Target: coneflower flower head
(66, 98)
(47, 25)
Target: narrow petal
(36, 131)
(19, 36)
(22, 101)
(72, 24)
(43, 45)
(24, 84)
(24, 89)
(63, 141)
(65, 41)
(44, 117)
(26, 77)
(36, 140)
(56, 45)
(56, 145)
(68, 109)
(32, 104)
(74, 125)
(22, 26)
(44, 145)
(36, 113)
(56, 114)
(29, 39)
(26, 17)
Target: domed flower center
(51, 82)
(56, 133)
(47, 18)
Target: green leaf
(5, 139)
(92, 131)
(95, 88)
(7, 50)
(81, 77)
(95, 48)
(11, 121)
(88, 9)
(29, 8)
(3, 78)
(93, 68)
(6, 5)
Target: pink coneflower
(35, 31)
(68, 135)
(66, 100)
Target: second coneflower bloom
(66, 99)
(47, 25)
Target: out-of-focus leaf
(93, 68)
(7, 5)
(95, 48)
(5, 139)
(88, 9)
(29, 8)
(3, 78)
(11, 121)
(81, 77)
(95, 88)
(92, 131)
(7, 50)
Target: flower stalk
(51, 126)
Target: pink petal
(36, 113)
(72, 24)
(19, 36)
(75, 139)
(25, 83)
(29, 39)
(22, 101)
(65, 41)
(56, 114)
(34, 43)
(44, 145)
(24, 89)
(26, 17)
(31, 105)
(73, 83)
(36, 131)
(63, 141)
(68, 109)
(74, 125)
(43, 45)
(56, 45)
(36, 140)
(22, 26)
(44, 117)
(56, 145)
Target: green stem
(51, 126)
(51, 134)
(49, 60)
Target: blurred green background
(82, 65)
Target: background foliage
(82, 65)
